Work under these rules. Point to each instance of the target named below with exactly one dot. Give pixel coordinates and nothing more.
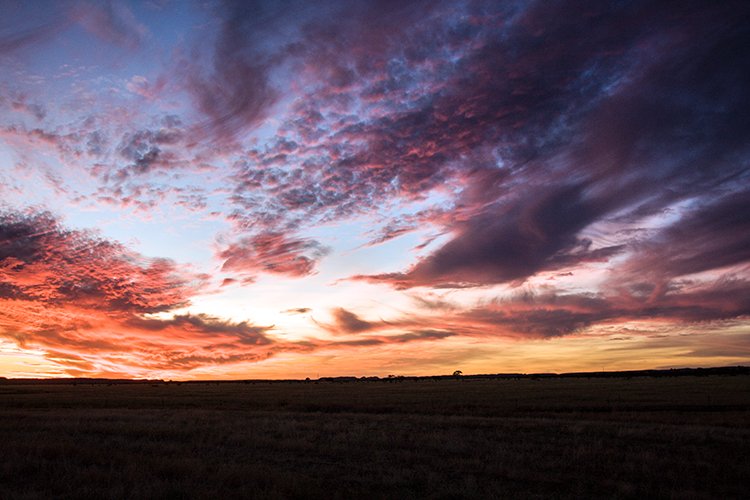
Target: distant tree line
(672, 372)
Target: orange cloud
(87, 302)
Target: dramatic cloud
(710, 235)
(595, 152)
(43, 261)
(637, 150)
(550, 314)
(70, 291)
(505, 243)
(272, 253)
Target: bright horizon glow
(248, 190)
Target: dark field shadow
(685, 437)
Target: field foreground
(686, 437)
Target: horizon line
(714, 370)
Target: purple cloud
(274, 253)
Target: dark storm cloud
(506, 243)
(619, 113)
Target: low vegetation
(454, 437)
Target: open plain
(669, 437)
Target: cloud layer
(89, 301)
(592, 153)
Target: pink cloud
(274, 253)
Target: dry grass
(685, 437)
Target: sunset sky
(305, 189)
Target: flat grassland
(668, 437)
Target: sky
(263, 189)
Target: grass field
(670, 437)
